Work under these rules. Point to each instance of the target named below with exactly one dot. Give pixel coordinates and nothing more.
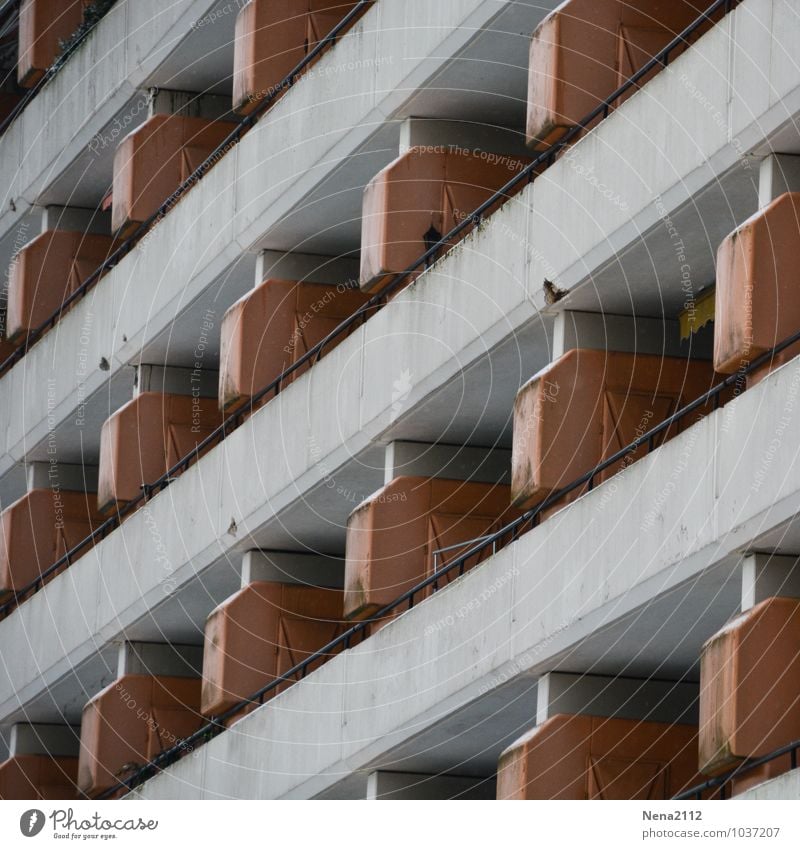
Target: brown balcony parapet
(43, 25)
(756, 299)
(154, 160)
(46, 271)
(392, 536)
(38, 529)
(594, 757)
(586, 406)
(749, 694)
(38, 777)
(417, 199)
(145, 438)
(272, 37)
(259, 634)
(130, 722)
(264, 332)
(584, 50)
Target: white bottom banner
(410, 825)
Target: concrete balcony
(749, 696)
(43, 25)
(46, 271)
(270, 328)
(587, 406)
(260, 633)
(418, 198)
(154, 160)
(755, 303)
(38, 529)
(392, 537)
(145, 438)
(272, 38)
(129, 722)
(594, 757)
(585, 50)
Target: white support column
(624, 333)
(307, 268)
(457, 462)
(461, 135)
(778, 173)
(58, 741)
(136, 658)
(74, 218)
(412, 785)
(621, 698)
(172, 380)
(164, 101)
(292, 567)
(768, 575)
(69, 476)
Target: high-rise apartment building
(399, 399)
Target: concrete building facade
(398, 400)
